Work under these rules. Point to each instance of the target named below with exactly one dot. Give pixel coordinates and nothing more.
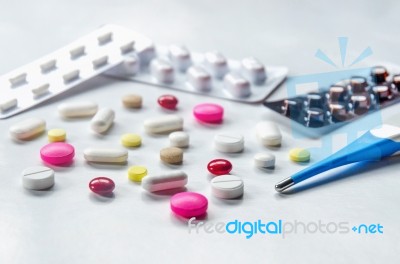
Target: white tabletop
(69, 224)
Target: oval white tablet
(28, 128)
(227, 186)
(179, 139)
(77, 109)
(8, 104)
(103, 120)
(162, 70)
(37, 178)
(166, 181)
(229, 142)
(105, 155)
(264, 160)
(163, 124)
(180, 57)
(199, 78)
(268, 133)
(217, 64)
(253, 70)
(237, 85)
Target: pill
(71, 76)
(189, 204)
(146, 54)
(227, 186)
(361, 104)
(199, 78)
(105, 155)
(128, 47)
(57, 153)
(268, 133)
(209, 113)
(131, 140)
(99, 62)
(379, 74)
(299, 155)
(102, 186)
(229, 142)
(77, 52)
(28, 128)
(129, 67)
(105, 38)
(179, 139)
(167, 101)
(163, 124)
(132, 101)
(7, 104)
(237, 85)
(40, 90)
(136, 173)
(217, 64)
(315, 117)
(162, 71)
(383, 92)
(48, 66)
(358, 84)
(102, 120)
(396, 82)
(264, 160)
(18, 80)
(56, 135)
(171, 155)
(337, 94)
(77, 109)
(37, 178)
(338, 112)
(219, 166)
(254, 70)
(315, 100)
(180, 57)
(165, 181)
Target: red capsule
(168, 101)
(102, 185)
(219, 166)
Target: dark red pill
(102, 185)
(168, 101)
(219, 166)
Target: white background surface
(70, 225)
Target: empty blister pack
(211, 74)
(362, 92)
(108, 48)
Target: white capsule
(179, 139)
(77, 109)
(216, 63)
(99, 62)
(7, 104)
(128, 47)
(77, 52)
(254, 70)
(131, 65)
(162, 71)
(227, 186)
(146, 54)
(106, 155)
(71, 76)
(48, 66)
(166, 181)
(180, 57)
(105, 38)
(27, 128)
(41, 90)
(102, 120)
(268, 133)
(264, 160)
(37, 178)
(18, 80)
(237, 85)
(199, 78)
(163, 124)
(229, 142)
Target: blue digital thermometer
(374, 145)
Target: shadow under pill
(161, 195)
(97, 198)
(183, 221)
(42, 193)
(233, 202)
(105, 166)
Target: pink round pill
(209, 113)
(189, 204)
(57, 153)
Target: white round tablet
(179, 139)
(227, 186)
(229, 142)
(38, 178)
(264, 160)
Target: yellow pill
(56, 135)
(131, 140)
(136, 173)
(299, 155)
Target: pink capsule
(57, 153)
(189, 204)
(219, 167)
(168, 101)
(209, 113)
(102, 185)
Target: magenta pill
(57, 153)
(168, 101)
(219, 167)
(102, 185)
(189, 204)
(209, 113)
